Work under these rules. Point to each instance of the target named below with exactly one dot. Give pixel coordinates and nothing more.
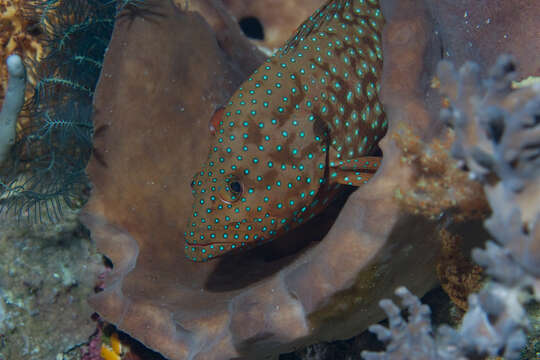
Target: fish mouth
(199, 246)
(201, 238)
(231, 233)
(207, 251)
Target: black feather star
(46, 169)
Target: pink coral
(93, 349)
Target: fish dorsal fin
(342, 40)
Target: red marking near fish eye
(214, 121)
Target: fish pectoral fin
(350, 177)
(355, 172)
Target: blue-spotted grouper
(306, 121)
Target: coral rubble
(497, 137)
(46, 275)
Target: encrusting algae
(441, 188)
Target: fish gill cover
(45, 170)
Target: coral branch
(414, 335)
(13, 103)
(498, 141)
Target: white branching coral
(498, 141)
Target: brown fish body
(291, 132)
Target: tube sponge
(13, 103)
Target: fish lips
(201, 247)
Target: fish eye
(231, 191)
(236, 187)
(192, 183)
